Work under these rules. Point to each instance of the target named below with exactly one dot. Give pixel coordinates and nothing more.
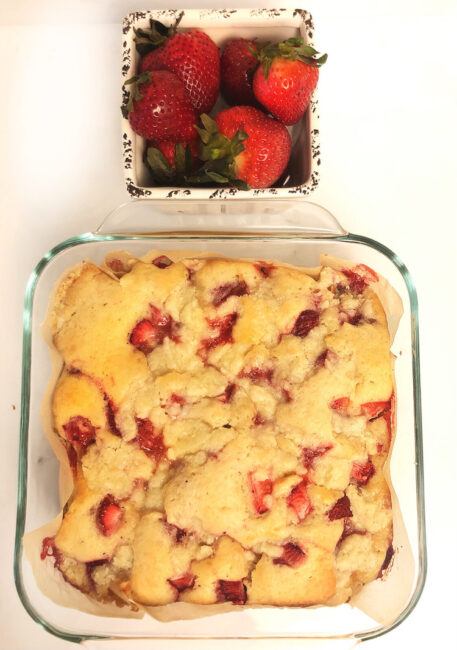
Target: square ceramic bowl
(301, 176)
(292, 232)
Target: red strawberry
(362, 472)
(224, 291)
(299, 501)
(292, 555)
(159, 107)
(238, 65)
(373, 410)
(257, 375)
(243, 147)
(286, 78)
(259, 490)
(109, 516)
(81, 431)
(186, 581)
(223, 333)
(342, 508)
(168, 148)
(192, 56)
(306, 321)
(171, 163)
(340, 404)
(150, 332)
(310, 453)
(162, 262)
(150, 440)
(231, 590)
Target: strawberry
(362, 472)
(162, 262)
(159, 107)
(192, 56)
(80, 431)
(306, 321)
(171, 162)
(342, 508)
(186, 581)
(260, 489)
(286, 78)
(223, 332)
(243, 147)
(310, 453)
(150, 440)
(224, 291)
(231, 590)
(373, 410)
(109, 516)
(238, 64)
(292, 555)
(151, 332)
(299, 501)
(340, 404)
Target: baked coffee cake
(227, 422)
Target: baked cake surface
(227, 423)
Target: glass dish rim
(91, 237)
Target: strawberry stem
(150, 39)
(135, 93)
(292, 49)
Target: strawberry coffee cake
(227, 422)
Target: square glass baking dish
(294, 232)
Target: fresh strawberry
(292, 555)
(342, 508)
(242, 147)
(286, 78)
(170, 163)
(238, 65)
(306, 321)
(231, 590)
(159, 107)
(186, 581)
(168, 148)
(362, 472)
(80, 431)
(192, 56)
(299, 501)
(260, 489)
(224, 291)
(109, 516)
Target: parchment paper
(381, 599)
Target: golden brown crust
(228, 422)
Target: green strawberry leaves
(164, 173)
(135, 93)
(215, 151)
(150, 39)
(292, 49)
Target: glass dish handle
(149, 217)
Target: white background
(388, 111)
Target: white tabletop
(388, 139)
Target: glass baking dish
(294, 232)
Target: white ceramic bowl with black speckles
(302, 173)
